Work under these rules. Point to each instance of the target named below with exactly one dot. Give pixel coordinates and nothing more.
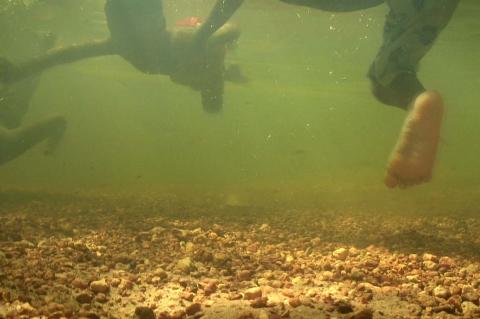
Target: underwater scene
(239, 159)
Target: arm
(220, 14)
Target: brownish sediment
(108, 257)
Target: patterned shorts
(410, 29)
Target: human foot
(413, 157)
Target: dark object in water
(234, 73)
(337, 5)
(138, 34)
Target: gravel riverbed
(103, 257)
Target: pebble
(441, 292)
(426, 300)
(340, 253)
(144, 313)
(159, 272)
(80, 283)
(99, 286)
(101, 298)
(344, 307)
(264, 228)
(252, 293)
(294, 302)
(177, 314)
(430, 265)
(244, 275)
(259, 302)
(193, 309)
(210, 288)
(84, 298)
(187, 295)
(470, 309)
(186, 265)
(429, 257)
(363, 314)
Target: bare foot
(413, 158)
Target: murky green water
(305, 130)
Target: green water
(305, 131)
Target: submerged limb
(410, 30)
(205, 70)
(220, 14)
(337, 5)
(227, 34)
(73, 53)
(400, 92)
(14, 143)
(413, 158)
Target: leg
(410, 30)
(14, 143)
(337, 5)
(10, 73)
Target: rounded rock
(99, 286)
(252, 293)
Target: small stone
(470, 309)
(90, 315)
(26, 309)
(187, 295)
(252, 293)
(446, 262)
(124, 258)
(186, 265)
(340, 253)
(177, 314)
(356, 274)
(444, 308)
(144, 313)
(84, 297)
(429, 257)
(264, 227)
(263, 315)
(294, 302)
(210, 288)
(426, 300)
(115, 282)
(99, 286)
(125, 284)
(344, 307)
(363, 314)
(80, 283)
(101, 298)
(235, 296)
(259, 302)
(470, 296)
(430, 265)
(244, 275)
(441, 292)
(193, 309)
(159, 272)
